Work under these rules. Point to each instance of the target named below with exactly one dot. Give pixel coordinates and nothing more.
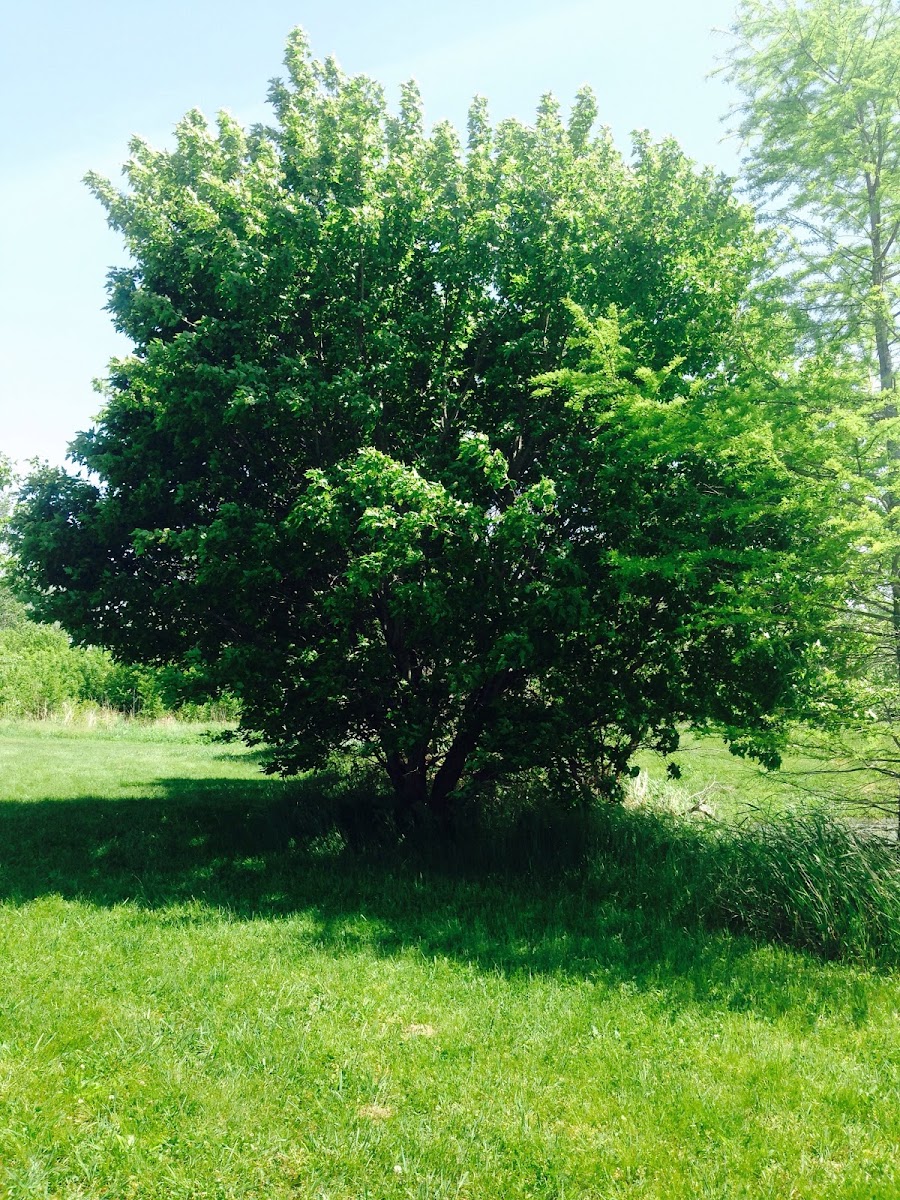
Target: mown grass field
(206, 994)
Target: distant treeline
(43, 674)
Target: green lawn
(733, 787)
(206, 994)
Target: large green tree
(450, 454)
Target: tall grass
(805, 878)
(811, 880)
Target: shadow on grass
(529, 899)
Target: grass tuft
(811, 880)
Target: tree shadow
(526, 900)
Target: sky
(84, 77)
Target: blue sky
(84, 77)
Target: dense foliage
(455, 455)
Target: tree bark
(882, 329)
(409, 780)
(479, 711)
(886, 381)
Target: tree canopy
(821, 119)
(452, 454)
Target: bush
(42, 673)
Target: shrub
(42, 673)
(39, 670)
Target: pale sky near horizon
(84, 77)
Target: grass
(208, 993)
(731, 785)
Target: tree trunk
(886, 382)
(451, 769)
(882, 327)
(410, 782)
(885, 360)
(480, 710)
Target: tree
(6, 479)
(12, 611)
(447, 455)
(821, 117)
